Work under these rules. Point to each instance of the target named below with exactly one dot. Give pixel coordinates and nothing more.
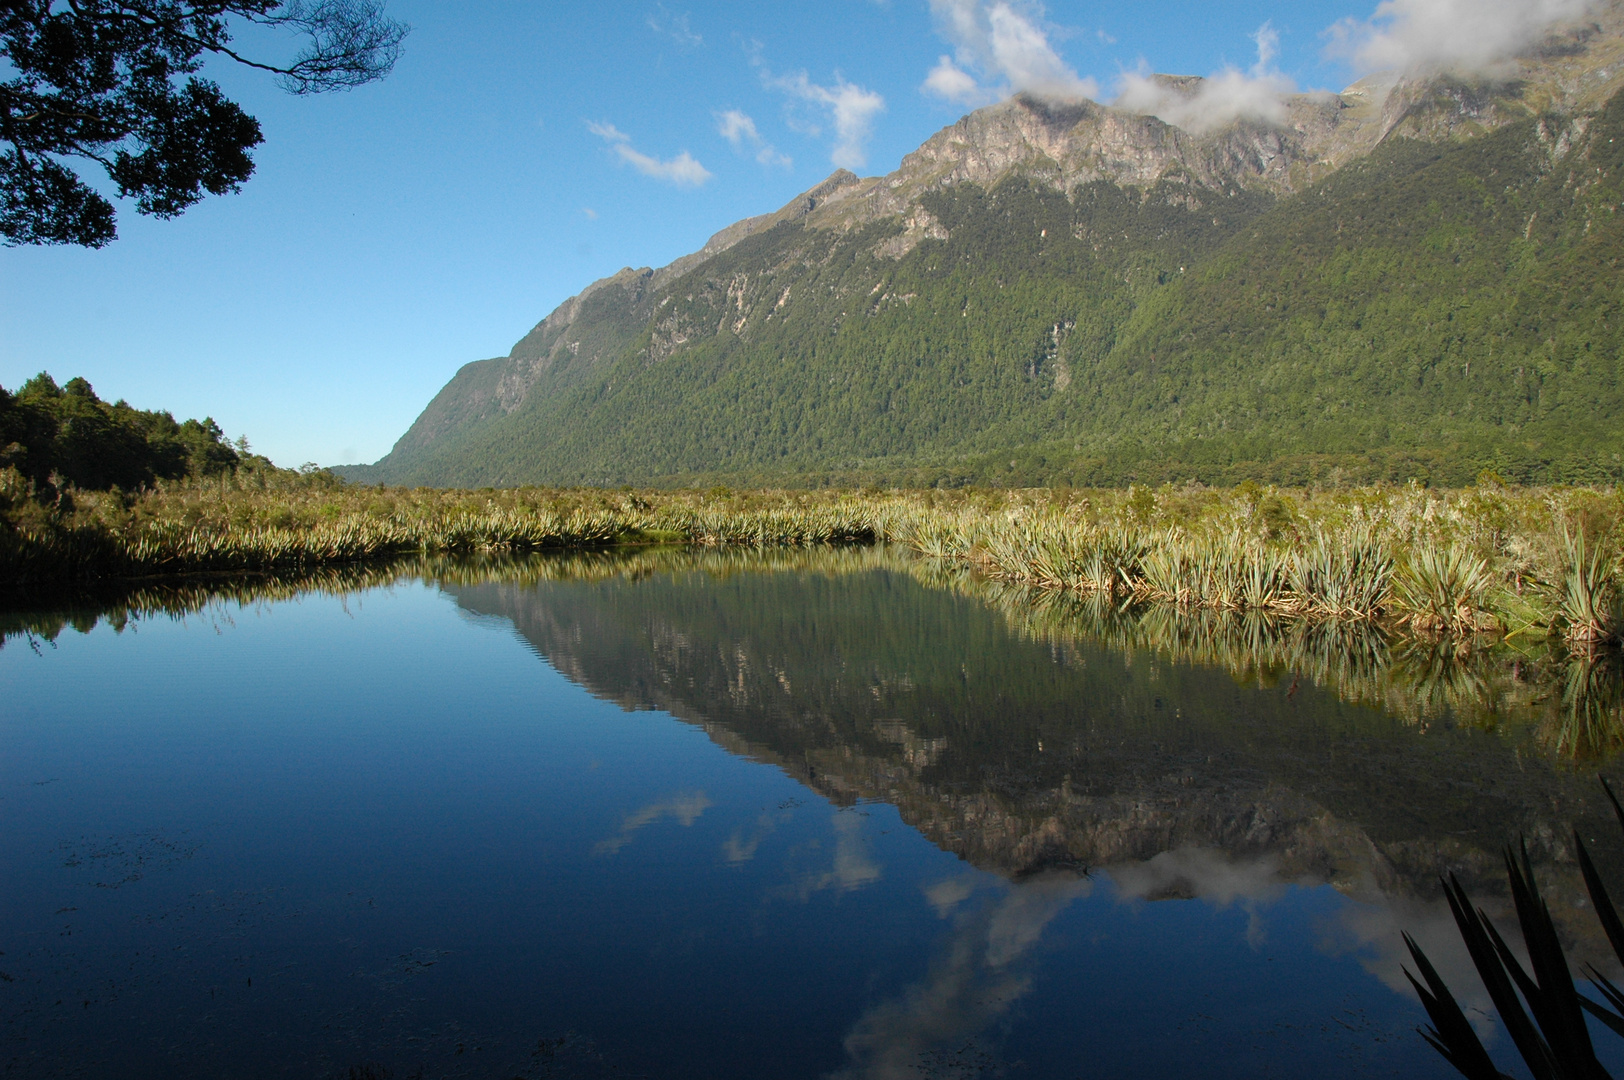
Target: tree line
(65, 436)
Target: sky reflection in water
(794, 824)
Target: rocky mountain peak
(1170, 192)
(1067, 144)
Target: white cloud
(674, 27)
(607, 132)
(1021, 52)
(1268, 46)
(952, 83)
(1434, 34)
(736, 127)
(849, 107)
(999, 50)
(740, 130)
(591, 214)
(682, 170)
(1218, 100)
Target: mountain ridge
(1139, 195)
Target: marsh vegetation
(1489, 562)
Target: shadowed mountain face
(1414, 278)
(1021, 754)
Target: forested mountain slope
(1416, 279)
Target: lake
(695, 814)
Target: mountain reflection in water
(1184, 754)
(1076, 756)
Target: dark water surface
(710, 817)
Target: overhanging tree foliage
(114, 83)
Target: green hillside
(1456, 308)
(1432, 310)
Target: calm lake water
(699, 815)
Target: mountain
(1415, 278)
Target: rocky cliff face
(1068, 144)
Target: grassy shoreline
(1491, 560)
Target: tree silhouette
(114, 82)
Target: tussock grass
(1586, 592)
(220, 527)
(1522, 562)
(1444, 587)
(1535, 562)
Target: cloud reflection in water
(986, 963)
(685, 807)
(853, 866)
(972, 983)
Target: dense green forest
(65, 436)
(1433, 311)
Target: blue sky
(521, 150)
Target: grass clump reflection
(1573, 698)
